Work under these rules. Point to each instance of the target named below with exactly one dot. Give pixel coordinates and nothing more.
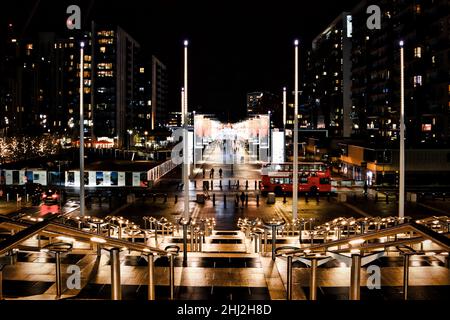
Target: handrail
(423, 231)
(58, 228)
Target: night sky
(236, 46)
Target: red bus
(312, 177)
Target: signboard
(136, 179)
(278, 147)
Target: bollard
(355, 277)
(289, 278)
(185, 244)
(257, 200)
(58, 275)
(172, 277)
(220, 184)
(328, 197)
(246, 184)
(255, 239)
(313, 280)
(116, 290)
(1, 282)
(246, 199)
(256, 185)
(306, 197)
(195, 184)
(7, 197)
(274, 241)
(200, 241)
(405, 276)
(165, 197)
(176, 198)
(151, 277)
(265, 240)
(229, 184)
(317, 197)
(225, 201)
(191, 238)
(237, 184)
(212, 185)
(284, 197)
(214, 199)
(376, 197)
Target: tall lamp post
(295, 156)
(81, 129)
(401, 203)
(185, 134)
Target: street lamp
(401, 203)
(81, 129)
(185, 134)
(295, 173)
(284, 108)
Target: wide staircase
(259, 260)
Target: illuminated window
(418, 9)
(103, 49)
(426, 127)
(141, 70)
(418, 52)
(417, 81)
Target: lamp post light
(82, 204)
(295, 156)
(401, 202)
(284, 108)
(185, 134)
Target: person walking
(220, 173)
(242, 199)
(204, 172)
(211, 174)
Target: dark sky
(235, 46)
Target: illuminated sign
(277, 147)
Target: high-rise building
(328, 78)
(159, 102)
(424, 26)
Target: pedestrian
(204, 172)
(211, 175)
(220, 173)
(242, 198)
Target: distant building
(425, 28)
(263, 103)
(328, 79)
(125, 91)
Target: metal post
(82, 204)
(191, 236)
(274, 241)
(99, 248)
(1, 282)
(289, 278)
(185, 134)
(116, 289)
(405, 276)
(151, 277)
(313, 280)
(355, 277)
(265, 240)
(58, 275)
(172, 277)
(401, 202)
(295, 156)
(200, 241)
(184, 243)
